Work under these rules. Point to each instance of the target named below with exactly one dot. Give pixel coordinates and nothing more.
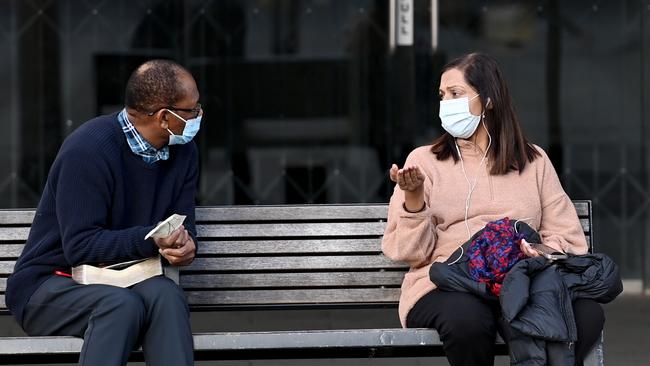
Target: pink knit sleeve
(409, 237)
(560, 227)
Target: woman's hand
(527, 249)
(410, 180)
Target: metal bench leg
(595, 356)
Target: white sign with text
(404, 22)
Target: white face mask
(192, 127)
(456, 117)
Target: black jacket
(536, 298)
(536, 301)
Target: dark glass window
(305, 101)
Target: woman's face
(454, 86)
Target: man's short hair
(154, 85)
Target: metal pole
(644, 77)
(434, 25)
(391, 26)
(14, 116)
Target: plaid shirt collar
(138, 145)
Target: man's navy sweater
(99, 202)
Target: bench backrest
(276, 256)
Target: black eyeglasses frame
(196, 110)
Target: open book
(129, 273)
(123, 274)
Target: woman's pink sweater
(422, 238)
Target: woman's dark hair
(510, 150)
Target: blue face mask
(192, 127)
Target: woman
(482, 169)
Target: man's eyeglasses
(195, 111)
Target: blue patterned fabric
(494, 252)
(138, 145)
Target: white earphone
(472, 186)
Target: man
(113, 179)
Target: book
(123, 274)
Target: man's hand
(175, 240)
(178, 248)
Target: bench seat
(357, 343)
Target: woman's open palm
(409, 178)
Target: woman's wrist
(414, 201)
(417, 210)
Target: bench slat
(259, 213)
(289, 246)
(266, 230)
(582, 207)
(291, 230)
(255, 230)
(296, 246)
(294, 296)
(586, 228)
(293, 263)
(317, 339)
(261, 230)
(6, 267)
(14, 233)
(274, 263)
(279, 213)
(246, 341)
(16, 217)
(40, 345)
(314, 279)
(286, 296)
(10, 250)
(264, 213)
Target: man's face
(187, 108)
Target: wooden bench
(271, 258)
